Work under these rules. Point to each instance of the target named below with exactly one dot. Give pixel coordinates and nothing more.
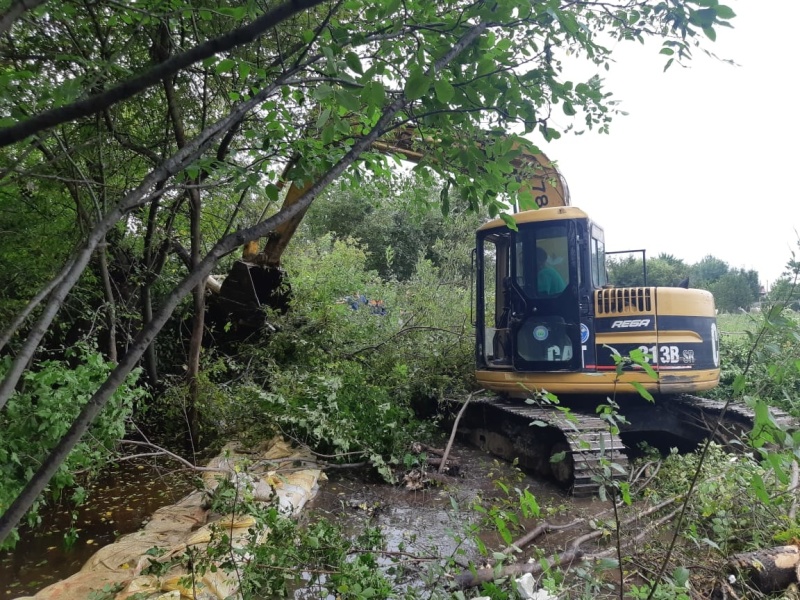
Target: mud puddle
(434, 523)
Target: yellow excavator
(547, 320)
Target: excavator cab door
(529, 287)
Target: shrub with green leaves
(344, 379)
(41, 412)
(737, 503)
(767, 347)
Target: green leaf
(444, 90)
(625, 490)
(711, 543)
(758, 487)
(373, 94)
(349, 100)
(354, 62)
(710, 33)
(509, 220)
(681, 576)
(237, 12)
(606, 564)
(322, 92)
(323, 118)
(776, 462)
(725, 12)
(225, 65)
(272, 191)
(481, 546)
(417, 85)
(704, 17)
(569, 110)
(328, 134)
(642, 391)
(558, 457)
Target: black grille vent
(623, 301)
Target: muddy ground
(433, 522)
(423, 526)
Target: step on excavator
(549, 324)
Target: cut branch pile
(575, 552)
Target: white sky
(707, 160)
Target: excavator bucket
(250, 289)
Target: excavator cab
(546, 317)
(531, 293)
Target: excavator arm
(539, 178)
(257, 280)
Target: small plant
(108, 592)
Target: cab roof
(555, 213)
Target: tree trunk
(198, 323)
(110, 309)
(150, 358)
(161, 50)
(770, 569)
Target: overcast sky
(706, 162)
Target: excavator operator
(548, 281)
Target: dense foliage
(344, 369)
(39, 415)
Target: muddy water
(118, 502)
(431, 522)
(424, 522)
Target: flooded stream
(119, 501)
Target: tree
(734, 290)
(304, 83)
(663, 270)
(395, 223)
(785, 291)
(708, 271)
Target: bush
(37, 416)
(342, 375)
(767, 349)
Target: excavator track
(737, 419)
(533, 435)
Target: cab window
(541, 260)
(598, 263)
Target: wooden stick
(453, 432)
(539, 530)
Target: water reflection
(119, 501)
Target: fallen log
(537, 532)
(770, 569)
